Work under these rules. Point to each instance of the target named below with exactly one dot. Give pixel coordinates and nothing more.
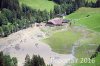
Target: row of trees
(68, 6)
(39, 15)
(35, 61)
(78, 2)
(6, 60)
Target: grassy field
(89, 17)
(62, 42)
(96, 63)
(38, 4)
(88, 45)
(87, 49)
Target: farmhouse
(56, 22)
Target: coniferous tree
(51, 14)
(27, 61)
(97, 3)
(1, 59)
(8, 13)
(3, 20)
(14, 60)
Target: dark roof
(65, 20)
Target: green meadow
(38, 4)
(96, 62)
(88, 17)
(63, 41)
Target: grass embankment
(89, 17)
(39, 4)
(62, 42)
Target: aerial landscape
(49, 32)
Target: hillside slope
(89, 17)
(38, 4)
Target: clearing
(88, 17)
(38, 4)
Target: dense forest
(14, 17)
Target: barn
(56, 22)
